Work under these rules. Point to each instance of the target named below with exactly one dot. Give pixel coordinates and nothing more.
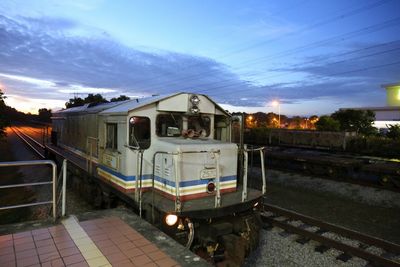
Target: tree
(91, 98)
(393, 131)
(359, 121)
(4, 122)
(96, 99)
(44, 114)
(74, 102)
(327, 123)
(120, 98)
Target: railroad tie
(344, 257)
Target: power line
(306, 28)
(349, 35)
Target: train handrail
(53, 182)
(245, 169)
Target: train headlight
(195, 110)
(171, 219)
(195, 100)
(210, 187)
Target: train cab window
(200, 123)
(139, 132)
(169, 125)
(111, 136)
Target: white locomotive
(172, 158)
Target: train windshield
(171, 125)
(139, 132)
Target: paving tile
(73, 259)
(68, 251)
(66, 244)
(91, 254)
(117, 257)
(62, 238)
(157, 255)
(23, 240)
(150, 264)
(110, 250)
(49, 256)
(22, 234)
(44, 243)
(149, 248)
(100, 261)
(11, 264)
(26, 253)
(99, 237)
(42, 236)
(6, 250)
(141, 242)
(126, 245)
(40, 231)
(47, 249)
(83, 241)
(24, 246)
(79, 264)
(88, 248)
(27, 261)
(140, 260)
(104, 243)
(57, 263)
(133, 252)
(6, 243)
(7, 258)
(167, 262)
(126, 264)
(6, 237)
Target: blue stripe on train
(131, 178)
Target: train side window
(139, 132)
(111, 135)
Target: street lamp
(276, 103)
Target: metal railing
(53, 182)
(245, 170)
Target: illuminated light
(195, 110)
(275, 103)
(255, 205)
(171, 219)
(210, 187)
(195, 100)
(250, 117)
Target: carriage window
(169, 125)
(111, 135)
(139, 132)
(199, 123)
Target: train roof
(122, 107)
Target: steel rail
(19, 134)
(354, 251)
(31, 138)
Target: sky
(312, 56)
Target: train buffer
(115, 237)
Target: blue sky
(312, 56)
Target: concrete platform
(115, 237)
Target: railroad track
(33, 144)
(351, 243)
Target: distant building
(389, 114)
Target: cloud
(42, 58)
